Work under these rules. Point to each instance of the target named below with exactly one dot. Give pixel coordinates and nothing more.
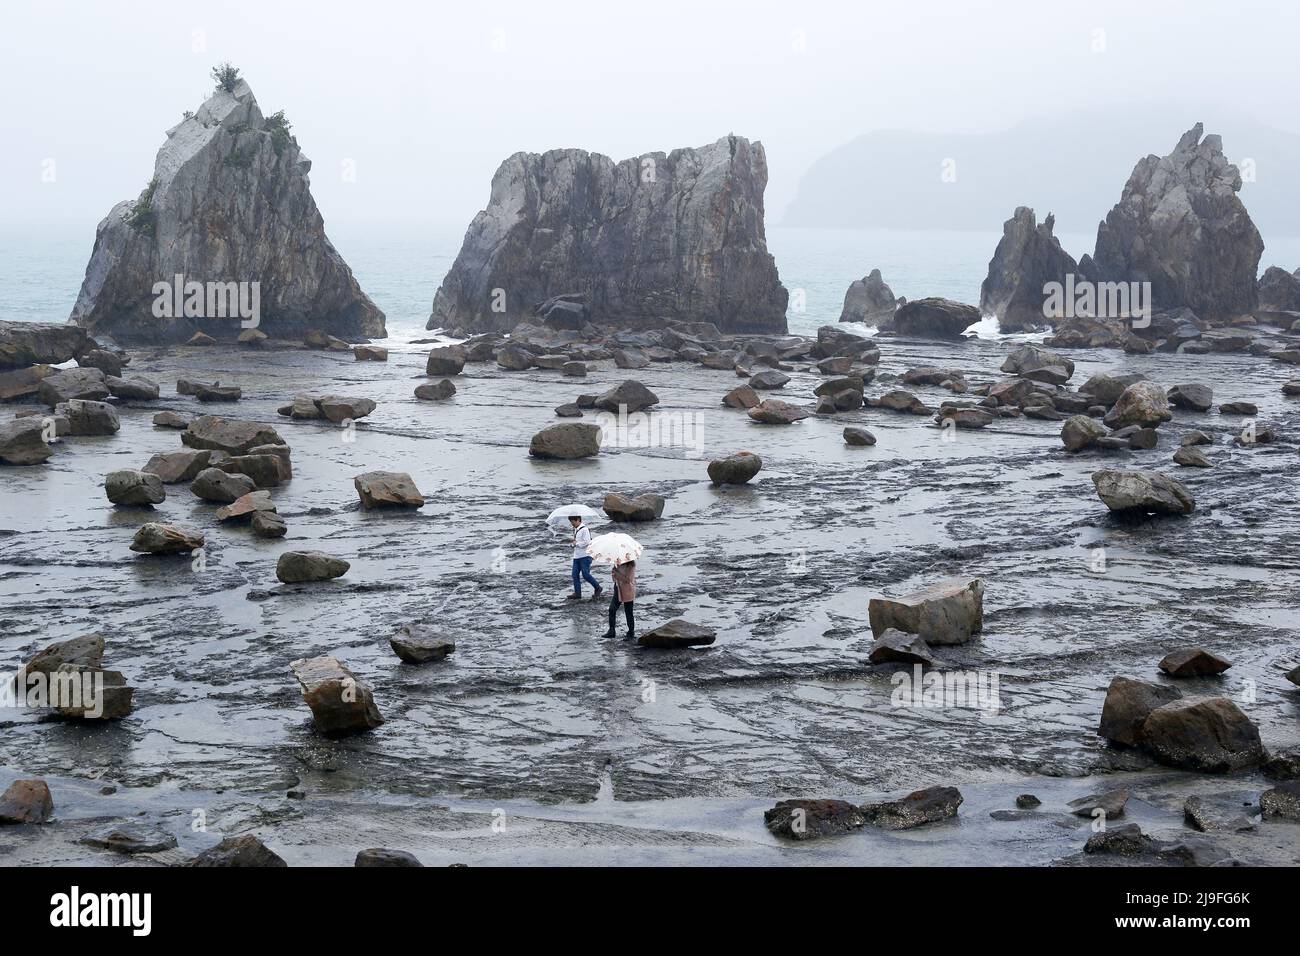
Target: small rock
(137, 488)
(735, 469)
(1143, 492)
(742, 396)
(178, 466)
(1027, 801)
(1193, 662)
(370, 353)
(630, 394)
(859, 437)
(387, 489)
(1128, 704)
(895, 647)
(223, 487)
(268, 524)
(417, 644)
(812, 819)
(1111, 804)
(300, 567)
(1238, 408)
(26, 801)
(1080, 432)
(678, 633)
(340, 702)
(647, 507)
(773, 412)
(568, 410)
(567, 441)
(1282, 802)
(245, 850)
(158, 538)
(338, 409)
(768, 379)
(1196, 398)
(436, 391)
(378, 856)
(1223, 812)
(915, 809)
(1189, 457)
(1209, 736)
(217, 392)
(130, 838)
(246, 506)
(446, 360)
(89, 418)
(948, 612)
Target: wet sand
(535, 714)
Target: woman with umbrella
(621, 551)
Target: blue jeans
(582, 569)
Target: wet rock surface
(774, 707)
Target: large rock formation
(658, 237)
(1027, 258)
(1181, 226)
(869, 300)
(229, 202)
(1279, 290)
(23, 344)
(932, 318)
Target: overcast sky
(425, 99)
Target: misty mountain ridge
(1073, 166)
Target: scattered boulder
(245, 850)
(916, 809)
(201, 338)
(812, 819)
(898, 400)
(1196, 398)
(23, 383)
(1128, 704)
(339, 409)
(932, 318)
(158, 538)
(245, 506)
(1210, 736)
(1193, 662)
(1280, 803)
(869, 300)
(774, 412)
(1107, 388)
(964, 418)
(1142, 492)
(1039, 365)
(216, 392)
(370, 353)
(1027, 801)
(1238, 408)
(735, 469)
(1110, 804)
(223, 487)
(568, 410)
(631, 358)
(86, 650)
(175, 467)
(86, 384)
(378, 856)
(1229, 812)
(268, 524)
(647, 507)
(132, 389)
(1142, 403)
(40, 343)
(767, 379)
(301, 567)
(515, 358)
(22, 442)
(678, 633)
(895, 647)
(134, 488)
(436, 391)
(26, 801)
(113, 701)
(742, 396)
(948, 612)
(574, 369)
(1189, 457)
(340, 702)
(266, 470)
(446, 360)
(229, 435)
(630, 394)
(89, 418)
(387, 489)
(417, 644)
(1080, 432)
(130, 839)
(859, 437)
(567, 441)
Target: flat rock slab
(916, 809)
(812, 819)
(229, 435)
(245, 506)
(895, 647)
(300, 567)
(1235, 812)
(387, 489)
(1110, 804)
(131, 838)
(340, 702)
(417, 644)
(678, 633)
(948, 612)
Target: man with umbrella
(582, 560)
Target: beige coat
(625, 582)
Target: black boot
(609, 635)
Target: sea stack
(225, 228)
(1028, 257)
(632, 244)
(1181, 226)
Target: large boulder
(869, 300)
(340, 702)
(339, 409)
(1127, 706)
(653, 238)
(74, 383)
(246, 507)
(23, 383)
(132, 389)
(86, 650)
(89, 418)
(158, 538)
(40, 343)
(26, 801)
(567, 440)
(22, 442)
(948, 612)
(229, 211)
(1211, 736)
(1181, 226)
(112, 702)
(418, 644)
(221, 486)
(229, 435)
(301, 567)
(130, 487)
(735, 469)
(932, 318)
(678, 633)
(1193, 397)
(1027, 258)
(916, 809)
(1039, 365)
(1080, 432)
(1142, 403)
(645, 507)
(240, 851)
(1279, 290)
(445, 360)
(630, 395)
(774, 412)
(387, 489)
(1142, 492)
(812, 819)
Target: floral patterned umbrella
(613, 549)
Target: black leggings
(613, 612)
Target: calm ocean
(41, 271)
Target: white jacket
(581, 538)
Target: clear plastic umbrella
(614, 548)
(558, 520)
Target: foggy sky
(426, 100)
